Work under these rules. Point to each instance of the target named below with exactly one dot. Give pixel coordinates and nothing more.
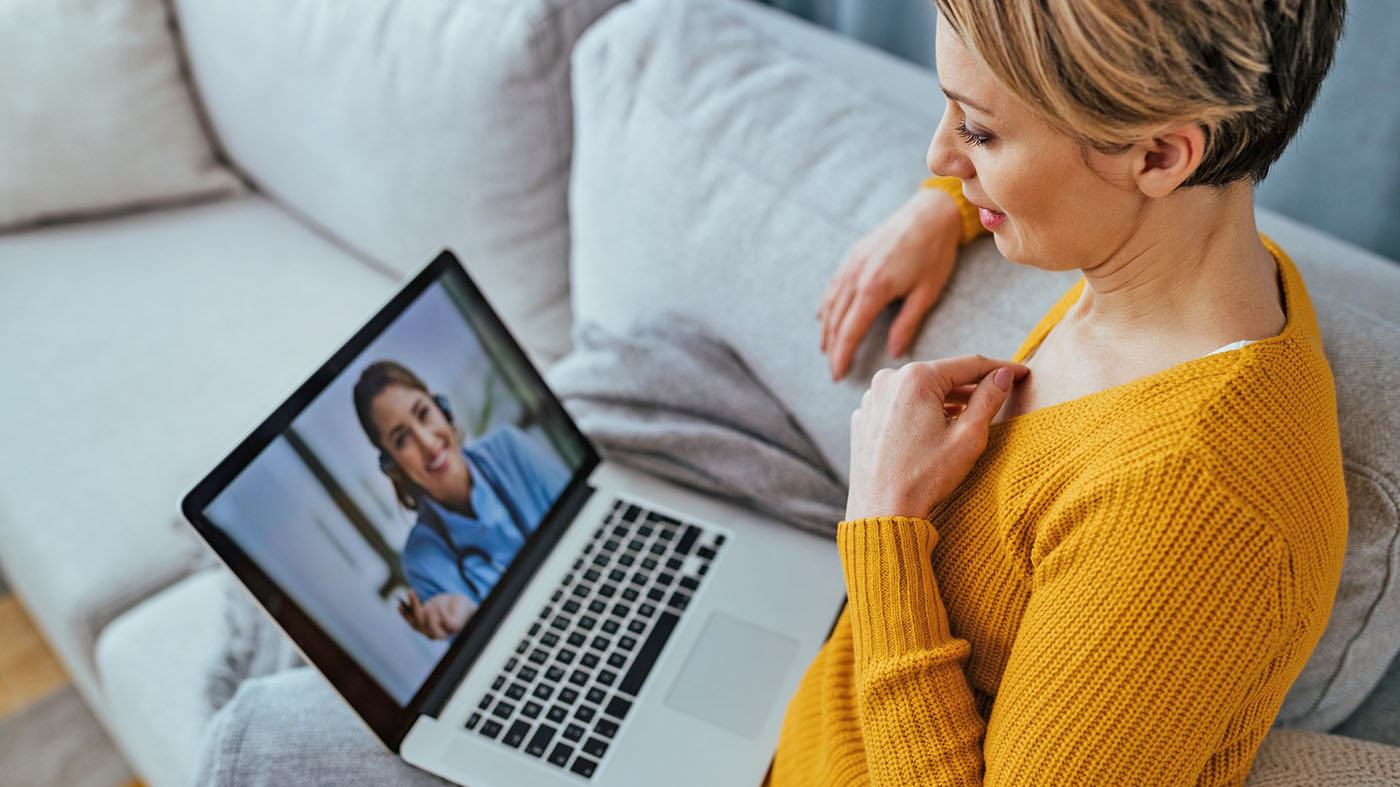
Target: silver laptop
(498, 604)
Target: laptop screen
(378, 510)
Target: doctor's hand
(440, 617)
(919, 430)
(910, 256)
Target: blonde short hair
(1111, 73)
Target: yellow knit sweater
(1120, 593)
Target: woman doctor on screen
(476, 503)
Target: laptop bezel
(389, 721)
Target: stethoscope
(435, 522)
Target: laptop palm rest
(732, 674)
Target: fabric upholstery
(153, 662)
(95, 116)
(403, 127)
(786, 166)
(138, 351)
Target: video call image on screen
(391, 506)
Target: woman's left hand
(919, 430)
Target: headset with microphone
(432, 520)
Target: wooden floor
(29, 672)
(51, 737)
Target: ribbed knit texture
(1120, 593)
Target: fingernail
(1002, 378)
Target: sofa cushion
(95, 116)
(786, 163)
(154, 663)
(405, 127)
(137, 351)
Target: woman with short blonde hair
(1106, 560)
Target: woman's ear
(1164, 162)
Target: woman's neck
(1192, 276)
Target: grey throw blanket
(669, 400)
(679, 404)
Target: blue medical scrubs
(530, 475)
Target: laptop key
(656, 594)
(646, 610)
(549, 640)
(491, 729)
(571, 607)
(573, 732)
(486, 702)
(596, 747)
(556, 714)
(584, 767)
(561, 754)
(567, 696)
(473, 720)
(596, 695)
(543, 691)
(516, 734)
(617, 660)
(679, 600)
(649, 563)
(626, 560)
(516, 691)
(585, 713)
(618, 708)
(531, 710)
(610, 626)
(597, 606)
(630, 594)
(527, 674)
(565, 656)
(690, 583)
(646, 657)
(579, 677)
(605, 728)
(539, 744)
(627, 643)
(688, 540)
(705, 553)
(589, 660)
(675, 564)
(554, 673)
(607, 677)
(636, 627)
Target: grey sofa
(724, 157)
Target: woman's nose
(944, 157)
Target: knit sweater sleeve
(1150, 620)
(971, 222)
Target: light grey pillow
(400, 128)
(95, 116)
(720, 176)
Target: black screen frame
(389, 721)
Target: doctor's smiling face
(424, 445)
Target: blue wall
(1342, 172)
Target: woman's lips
(438, 462)
(991, 219)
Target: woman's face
(1046, 202)
(421, 441)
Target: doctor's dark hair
(1112, 73)
(373, 380)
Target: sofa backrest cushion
(400, 128)
(722, 169)
(95, 116)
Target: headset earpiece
(444, 406)
(386, 463)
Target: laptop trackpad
(733, 673)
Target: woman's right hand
(910, 256)
(440, 617)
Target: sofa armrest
(1297, 758)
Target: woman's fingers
(986, 400)
(831, 321)
(854, 324)
(968, 370)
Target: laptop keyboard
(565, 692)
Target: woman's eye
(970, 138)
(398, 442)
